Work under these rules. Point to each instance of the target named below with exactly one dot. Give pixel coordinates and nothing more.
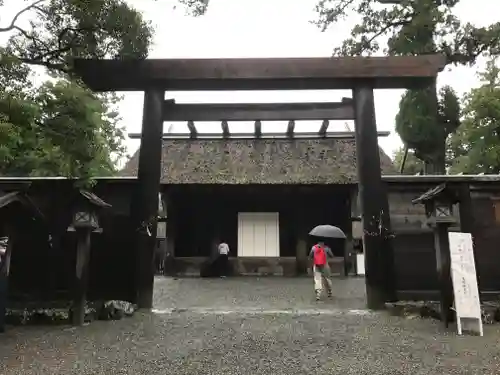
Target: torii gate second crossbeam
(257, 113)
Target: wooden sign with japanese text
(465, 288)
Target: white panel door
(272, 237)
(260, 223)
(245, 236)
(258, 234)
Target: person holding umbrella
(319, 255)
(321, 269)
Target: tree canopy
(60, 127)
(414, 27)
(475, 147)
(56, 129)
(418, 128)
(195, 7)
(409, 27)
(60, 30)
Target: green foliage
(417, 125)
(64, 29)
(412, 166)
(195, 7)
(414, 27)
(411, 27)
(56, 129)
(61, 128)
(475, 147)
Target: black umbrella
(327, 231)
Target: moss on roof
(259, 161)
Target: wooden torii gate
(360, 74)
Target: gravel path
(251, 326)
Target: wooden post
(443, 262)
(144, 205)
(169, 266)
(301, 256)
(301, 253)
(379, 258)
(348, 254)
(349, 242)
(82, 275)
(356, 239)
(466, 213)
(356, 251)
(3, 300)
(465, 209)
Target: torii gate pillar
(377, 243)
(144, 204)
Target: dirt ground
(251, 326)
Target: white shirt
(223, 248)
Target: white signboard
(357, 230)
(161, 230)
(463, 274)
(360, 264)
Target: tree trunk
(438, 164)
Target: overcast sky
(264, 28)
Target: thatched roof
(259, 161)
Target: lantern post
(85, 221)
(438, 204)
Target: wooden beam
(291, 128)
(260, 111)
(466, 212)
(207, 136)
(324, 127)
(258, 73)
(193, 133)
(258, 129)
(225, 129)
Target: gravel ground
(251, 326)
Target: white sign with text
(465, 288)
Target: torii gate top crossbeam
(259, 74)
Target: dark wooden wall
(40, 271)
(487, 243)
(416, 276)
(205, 214)
(415, 261)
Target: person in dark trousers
(222, 261)
(319, 255)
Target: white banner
(463, 274)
